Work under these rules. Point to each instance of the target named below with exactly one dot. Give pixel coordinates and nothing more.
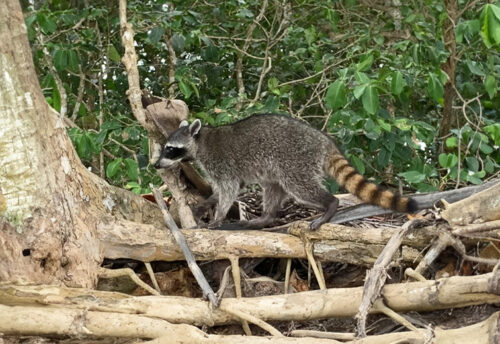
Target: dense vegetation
(409, 90)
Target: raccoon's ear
(195, 127)
(184, 123)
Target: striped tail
(339, 168)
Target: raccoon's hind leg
(227, 194)
(273, 198)
(314, 194)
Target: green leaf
(185, 89)
(336, 95)
(358, 164)
(451, 142)
(435, 88)
(156, 34)
(131, 168)
(365, 64)
(47, 25)
(178, 42)
(60, 59)
(472, 163)
(210, 53)
(83, 146)
(384, 125)
(132, 185)
(490, 85)
(73, 61)
(475, 68)
(447, 160)
(359, 90)
(490, 25)
(413, 176)
(361, 77)
(494, 131)
(383, 157)
(485, 148)
(113, 53)
(113, 167)
(370, 99)
(397, 83)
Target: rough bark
(452, 292)
(449, 117)
(50, 204)
(478, 208)
(126, 239)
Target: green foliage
(375, 84)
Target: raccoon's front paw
(316, 224)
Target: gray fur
(285, 156)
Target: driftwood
(146, 243)
(28, 320)
(377, 276)
(452, 292)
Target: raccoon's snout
(157, 164)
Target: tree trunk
(50, 204)
(449, 117)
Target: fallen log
(452, 292)
(146, 243)
(37, 321)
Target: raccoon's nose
(157, 164)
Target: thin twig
(181, 241)
(152, 276)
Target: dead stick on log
(287, 275)
(195, 269)
(321, 334)
(107, 273)
(376, 277)
(246, 318)
(152, 276)
(235, 268)
(476, 227)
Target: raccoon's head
(180, 145)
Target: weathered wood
(126, 239)
(478, 208)
(377, 275)
(188, 255)
(452, 292)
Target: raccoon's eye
(174, 152)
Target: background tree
(51, 206)
(410, 90)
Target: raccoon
(286, 157)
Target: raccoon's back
(263, 147)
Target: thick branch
(453, 292)
(126, 239)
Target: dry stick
(107, 273)
(179, 238)
(321, 334)
(415, 275)
(152, 276)
(246, 318)
(308, 247)
(376, 277)
(235, 268)
(380, 306)
(476, 227)
(437, 247)
(287, 274)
